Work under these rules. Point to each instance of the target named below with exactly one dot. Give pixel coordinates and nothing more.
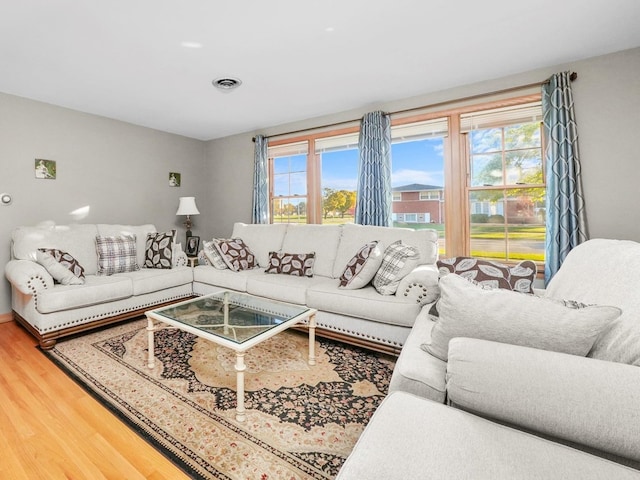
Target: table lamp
(188, 207)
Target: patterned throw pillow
(490, 274)
(398, 261)
(361, 269)
(235, 254)
(158, 250)
(212, 255)
(116, 254)
(296, 264)
(62, 266)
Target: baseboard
(6, 317)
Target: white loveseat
(50, 310)
(362, 316)
(516, 411)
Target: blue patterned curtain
(566, 218)
(260, 206)
(373, 201)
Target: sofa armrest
(421, 285)
(27, 276)
(582, 400)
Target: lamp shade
(187, 206)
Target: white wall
(120, 171)
(607, 99)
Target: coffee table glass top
(233, 316)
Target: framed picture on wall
(45, 169)
(193, 244)
(174, 179)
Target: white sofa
(363, 316)
(50, 310)
(515, 411)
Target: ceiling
(297, 59)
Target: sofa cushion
(491, 274)
(148, 280)
(159, 250)
(116, 254)
(354, 236)
(229, 279)
(139, 231)
(235, 253)
(363, 266)
(397, 262)
(97, 289)
(261, 239)
(284, 288)
(321, 239)
(468, 310)
(410, 437)
(61, 266)
(363, 303)
(590, 403)
(212, 255)
(417, 371)
(296, 264)
(77, 240)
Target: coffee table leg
(240, 368)
(312, 340)
(150, 330)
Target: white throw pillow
(469, 310)
(363, 266)
(397, 262)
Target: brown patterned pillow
(158, 252)
(235, 254)
(490, 274)
(296, 264)
(361, 269)
(62, 266)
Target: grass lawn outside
(488, 233)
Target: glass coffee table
(234, 320)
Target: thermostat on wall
(5, 199)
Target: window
(506, 191)
(288, 169)
(473, 172)
(430, 195)
(337, 156)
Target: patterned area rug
(302, 421)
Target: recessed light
(191, 44)
(226, 83)
(329, 29)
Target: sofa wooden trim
(48, 340)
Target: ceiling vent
(227, 84)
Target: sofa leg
(47, 344)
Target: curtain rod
(573, 76)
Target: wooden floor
(50, 428)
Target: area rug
(301, 422)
